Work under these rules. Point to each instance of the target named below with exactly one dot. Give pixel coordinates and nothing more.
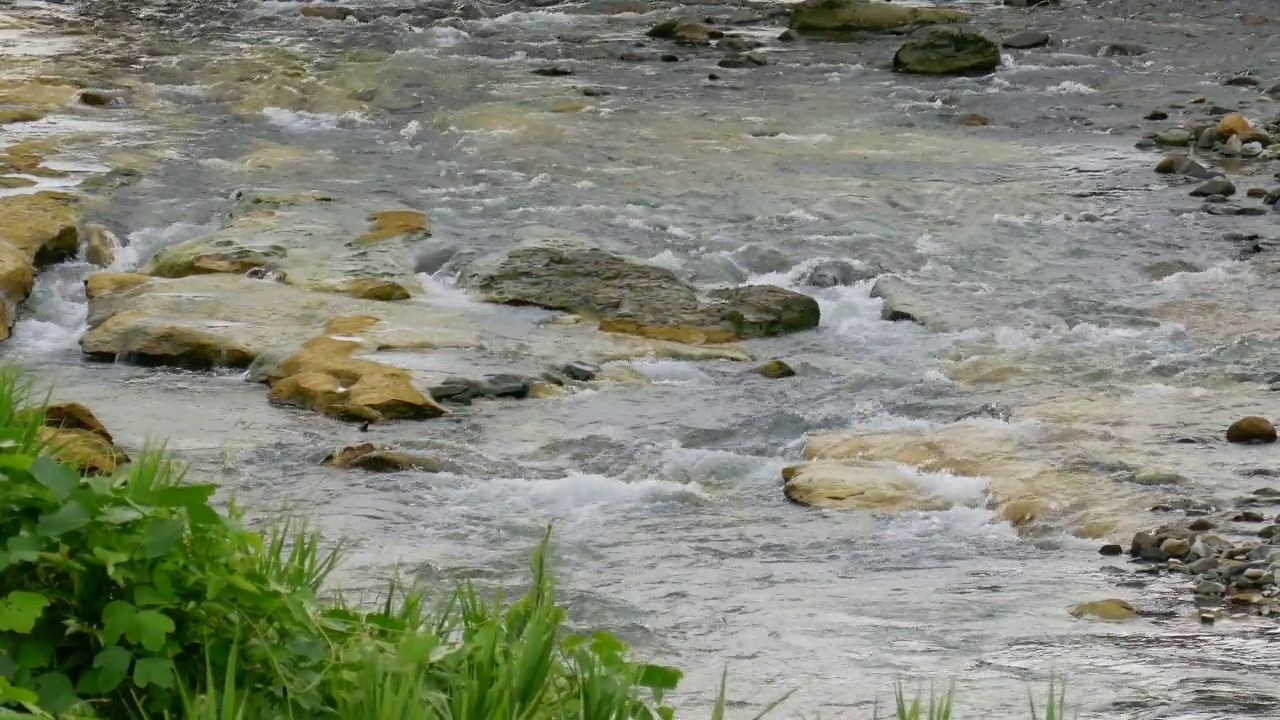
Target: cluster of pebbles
(1233, 556)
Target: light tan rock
(38, 229)
(100, 285)
(87, 451)
(392, 223)
(75, 416)
(1115, 610)
(100, 245)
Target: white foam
(146, 242)
(444, 37)
(668, 372)
(578, 491)
(54, 316)
(1070, 87)
(303, 121)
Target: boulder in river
(39, 229)
(843, 16)
(633, 297)
(1025, 40)
(1216, 186)
(947, 51)
(899, 302)
(1182, 165)
(1251, 429)
(372, 458)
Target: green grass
(131, 597)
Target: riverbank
(1026, 246)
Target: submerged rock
(632, 297)
(1105, 610)
(1216, 186)
(1026, 40)
(1251, 430)
(580, 371)
(774, 369)
(947, 51)
(371, 458)
(842, 16)
(880, 487)
(38, 229)
(833, 273)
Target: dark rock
(1207, 138)
(1267, 492)
(1146, 546)
(1157, 115)
(1028, 3)
(633, 297)
(713, 76)
(738, 44)
(833, 273)
(1026, 40)
(1230, 210)
(431, 260)
(104, 98)
(988, 410)
(596, 92)
(1111, 549)
(505, 386)
(1249, 516)
(1201, 525)
(1242, 81)
(947, 52)
(742, 60)
(789, 35)
(1216, 186)
(668, 57)
(460, 391)
(553, 71)
(581, 371)
(1269, 532)
(1146, 144)
(774, 370)
(1271, 198)
(1118, 50)
(1251, 430)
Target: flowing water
(1028, 240)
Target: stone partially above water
(1115, 610)
(842, 16)
(1251, 430)
(38, 229)
(632, 297)
(947, 51)
(1025, 40)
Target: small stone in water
(1249, 516)
(1255, 574)
(1269, 532)
(1206, 617)
(581, 371)
(774, 369)
(1242, 81)
(1175, 547)
(554, 71)
(1157, 115)
(1256, 192)
(670, 58)
(1201, 525)
(1111, 549)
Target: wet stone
(1242, 81)
(1157, 115)
(774, 369)
(553, 71)
(506, 386)
(456, 390)
(1111, 549)
(1249, 516)
(1201, 525)
(1025, 40)
(1269, 532)
(1216, 186)
(742, 60)
(580, 371)
(1251, 430)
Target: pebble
(1255, 574)
(1242, 81)
(1111, 549)
(1201, 525)
(1174, 137)
(774, 369)
(1175, 547)
(1026, 40)
(1251, 149)
(1249, 516)
(1269, 532)
(1157, 115)
(553, 71)
(1207, 587)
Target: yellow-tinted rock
(375, 289)
(74, 416)
(390, 223)
(36, 92)
(774, 369)
(20, 116)
(1021, 512)
(100, 285)
(87, 451)
(37, 229)
(1251, 430)
(872, 486)
(1105, 610)
(1234, 124)
(12, 181)
(99, 246)
(671, 333)
(152, 341)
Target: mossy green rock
(835, 16)
(947, 52)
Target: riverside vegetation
(129, 595)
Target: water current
(1029, 240)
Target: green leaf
(659, 677)
(203, 515)
(24, 548)
(153, 671)
(149, 595)
(162, 537)
(186, 496)
(20, 611)
(67, 518)
(113, 667)
(11, 694)
(14, 463)
(56, 695)
(149, 627)
(117, 617)
(54, 475)
(110, 558)
(34, 653)
(119, 514)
